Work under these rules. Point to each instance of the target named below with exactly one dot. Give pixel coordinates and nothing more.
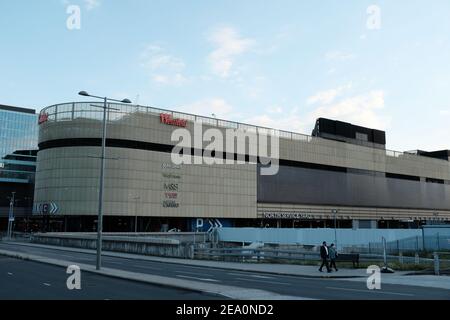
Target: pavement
(240, 280)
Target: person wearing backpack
(333, 256)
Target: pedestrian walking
(333, 256)
(324, 255)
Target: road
(316, 288)
(27, 280)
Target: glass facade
(18, 131)
(18, 151)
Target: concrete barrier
(161, 247)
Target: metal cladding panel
(294, 185)
(344, 129)
(379, 136)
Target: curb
(236, 293)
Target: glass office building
(18, 150)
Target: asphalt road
(27, 280)
(317, 288)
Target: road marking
(264, 281)
(261, 277)
(237, 274)
(10, 274)
(47, 284)
(372, 291)
(195, 273)
(249, 275)
(113, 262)
(144, 267)
(195, 278)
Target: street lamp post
(135, 213)
(11, 215)
(335, 227)
(102, 172)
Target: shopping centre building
(341, 172)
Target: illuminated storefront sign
(169, 120)
(43, 117)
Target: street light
(335, 228)
(102, 172)
(11, 215)
(135, 213)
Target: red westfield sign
(43, 117)
(168, 119)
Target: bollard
(436, 264)
(400, 257)
(417, 259)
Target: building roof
(17, 109)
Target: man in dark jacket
(324, 256)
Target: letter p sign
(74, 281)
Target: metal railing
(84, 110)
(414, 244)
(438, 263)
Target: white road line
(195, 278)
(67, 256)
(195, 273)
(264, 281)
(145, 267)
(10, 274)
(237, 274)
(261, 277)
(372, 291)
(249, 275)
(194, 267)
(113, 262)
(47, 284)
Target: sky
(280, 64)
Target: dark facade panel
(344, 131)
(17, 109)
(295, 185)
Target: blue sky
(274, 63)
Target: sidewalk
(273, 268)
(360, 275)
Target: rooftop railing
(85, 110)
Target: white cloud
(444, 112)
(275, 109)
(208, 107)
(293, 122)
(339, 56)
(327, 96)
(164, 68)
(359, 110)
(229, 45)
(92, 4)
